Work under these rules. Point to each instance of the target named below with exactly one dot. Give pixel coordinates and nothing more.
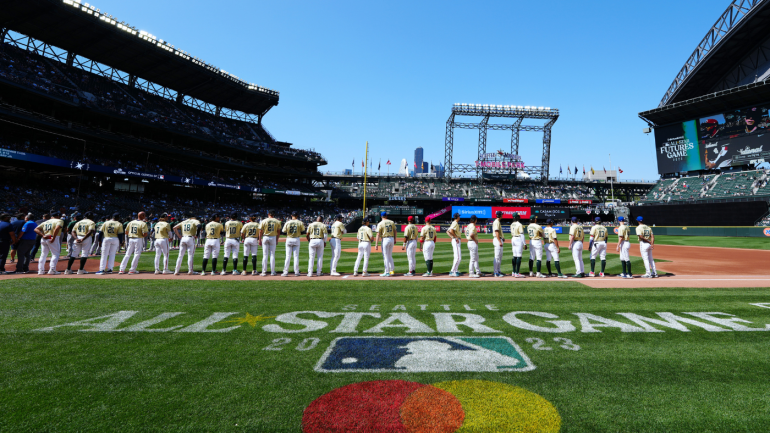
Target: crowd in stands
(711, 186)
(764, 222)
(103, 94)
(425, 189)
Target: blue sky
(389, 72)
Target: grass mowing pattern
(67, 380)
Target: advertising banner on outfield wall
(552, 212)
(452, 199)
(579, 201)
(548, 200)
(508, 212)
(515, 200)
(467, 211)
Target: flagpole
(612, 187)
(365, 172)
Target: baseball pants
(316, 249)
(473, 249)
(427, 250)
(624, 250)
(535, 249)
(458, 255)
(81, 249)
(187, 244)
(268, 254)
(552, 252)
(232, 249)
(577, 257)
(109, 249)
(23, 249)
(54, 247)
(364, 250)
(211, 249)
(387, 254)
(161, 249)
(292, 250)
(250, 248)
(411, 254)
(96, 247)
(336, 245)
(70, 243)
(517, 246)
(134, 248)
(649, 264)
(600, 249)
(498, 255)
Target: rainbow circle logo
(767, 231)
(615, 230)
(445, 407)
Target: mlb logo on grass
(423, 354)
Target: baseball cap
(499, 214)
(410, 218)
(620, 218)
(598, 219)
(574, 219)
(116, 215)
(456, 215)
(383, 213)
(549, 221)
(427, 219)
(640, 219)
(294, 213)
(338, 217)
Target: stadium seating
(713, 186)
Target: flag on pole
(592, 170)
(415, 165)
(379, 164)
(387, 163)
(584, 169)
(560, 172)
(354, 163)
(568, 170)
(604, 169)
(362, 164)
(619, 170)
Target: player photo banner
(508, 212)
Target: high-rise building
(418, 160)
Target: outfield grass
(442, 258)
(69, 380)
(709, 241)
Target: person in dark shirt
(7, 237)
(16, 225)
(26, 242)
(38, 238)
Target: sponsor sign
(552, 212)
(579, 201)
(438, 213)
(452, 199)
(548, 200)
(766, 232)
(524, 212)
(499, 164)
(515, 200)
(423, 354)
(293, 193)
(467, 211)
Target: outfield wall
(724, 232)
(737, 214)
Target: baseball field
(685, 352)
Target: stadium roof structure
(737, 32)
(84, 30)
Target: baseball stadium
(168, 264)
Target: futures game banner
(735, 138)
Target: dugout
(702, 214)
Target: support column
(546, 150)
(515, 130)
(483, 127)
(449, 146)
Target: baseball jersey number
(388, 229)
(111, 230)
(252, 232)
(82, 229)
(293, 229)
(232, 230)
(213, 232)
(531, 232)
(270, 227)
(317, 231)
(187, 227)
(134, 229)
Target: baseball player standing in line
(499, 242)
(136, 231)
(364, 236)
(518, 245)
(161, 243)
(83, 232)
(96, 247)
(110, 230)
(250, 235)
(552, 249)
(293, 230)
(338, 229)
(386, 230)
(454, 232)
(473, 248)
(646, 245)
(576, 246)
(232, 245)
(189, 229)
(271, 233)
(428, 245)
(70, 235)
(410, 246)
(623, 246)
(535, 233)
(598, 245)
(213, 244)
(316, 236)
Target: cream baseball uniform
(232, 240)
(189, 229)
(162, 235)
(599, 235)
(411, 236)
(517, 239)
(317, 232)
(473, 249)
(251, 242)
(624, 233)
(110, 244)
(429, 233)
(577, 234)
(79, 230)
(456, 250)
(646, 249)
(497, 261)
(551, 251)
(338, 229)
(52, 245)
(270, 228)
(213, 244)
(535, 232)
(293, 230)
(135, 233)
(387, 231)
(364, 237)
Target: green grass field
(706, 241)
(603, 372)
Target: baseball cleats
(285, 274)
(335, 274)
(539, 275)
(474, 276)
(82, 272)
(54, 272)
(157, 272)
(273, 274)
(309, 274)
(601, 274)
(263, 274)
(365, 274)
(629, 276)
(68, 272)
(553, 275)
(385, 274)
(133, 272)
(580, 275)
(392, 273)
(409, 274)
(235, 272)
(121, 272)
(320, 274)
(192, 273)
(562, 276)
(223, 273)
(646, 276)
(591, 274)
(100, 273)
(355, 274)
(531, 274)
(166, 272)
(254, 273)
(654, 275)
(176, 274)
(427, 274)
(622, 275)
